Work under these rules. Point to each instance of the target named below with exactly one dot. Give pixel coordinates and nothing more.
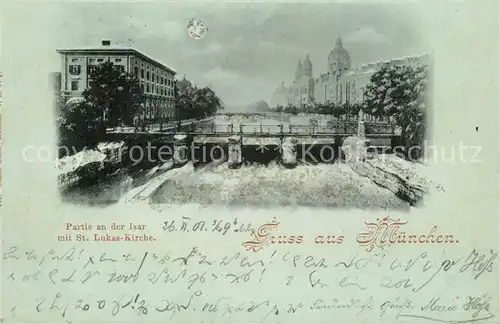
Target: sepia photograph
(320, 105)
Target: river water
(320, 185)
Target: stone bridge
(238, 140)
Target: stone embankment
(88, 164)
(386, 170)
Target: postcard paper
(249, 162)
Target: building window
(152, 77)
(136, 71)
(91, 60)
(100, 60)
(147, 75)
(74, 60)
(147, 87)
(161, 80)
(91, 69)
(74, 85)
(75, 69)
(142, 87)
(118, 60)
(142, 73)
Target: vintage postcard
(249, 162)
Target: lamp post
(103, 118)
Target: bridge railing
(337, 127)
(379, 128)
(160, 127)
(197, 127)
(214, 129)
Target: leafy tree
(205, 103)
(338, 110)
(192, 102)
(399, 92)
(291, 110)
(182, 101)
(352, 109)
(79, 126)
(329, 108)
(323, 108)
(261, 106)
(309, 109)
(112, 98)
(114, 92)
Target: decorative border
(1, 139)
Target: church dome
(307, 67)
(339, 59)
(184, 83)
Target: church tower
(307, 67)
(299, 71)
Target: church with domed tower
(340, 83)
(303, 84)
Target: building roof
(299, 68)
(114, 49)
(339, 52)
(423, 57)
(307, 62)
(184, 83)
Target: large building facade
(155, 78)
(340, 84)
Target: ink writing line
(447, 321)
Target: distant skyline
(249, 48)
